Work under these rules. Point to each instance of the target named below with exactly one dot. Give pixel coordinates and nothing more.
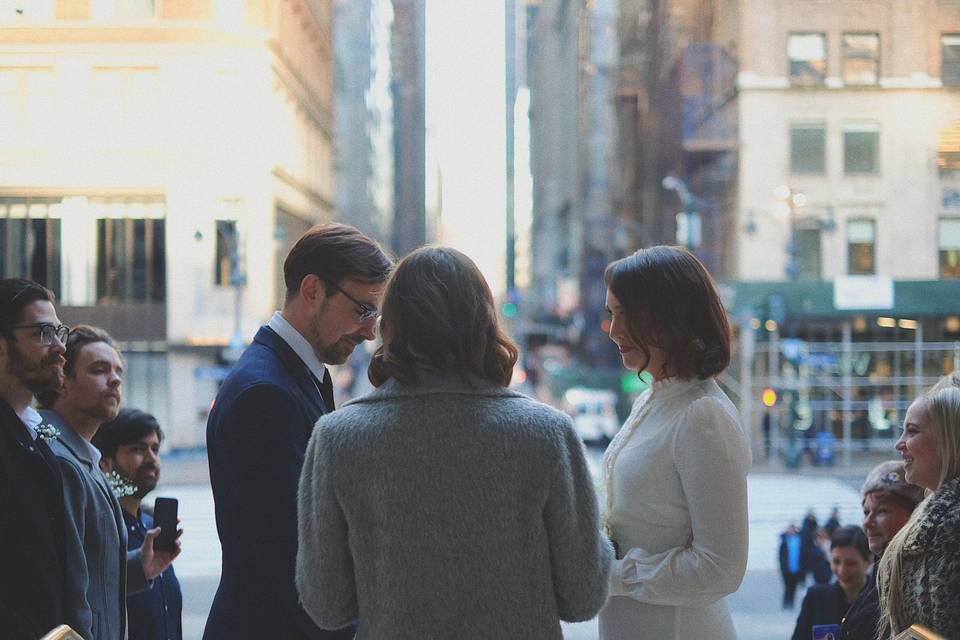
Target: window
(131, 256)
(861, 247)
(950, 60)
(861, 152)
(122, 9)
(948, 152)
(30, 241)
(949, 244)
(226, 252)
(807, 55)
(861, 58)
(808, 253)
(808, 147)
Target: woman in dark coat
(850, 558)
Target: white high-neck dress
(676, 504)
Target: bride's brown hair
(438, 313)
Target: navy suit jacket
(257, 435)
(32, 534)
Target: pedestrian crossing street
(774, 501)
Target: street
(775, 499)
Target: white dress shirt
(298, 343)
(675, 478)
(31, 420)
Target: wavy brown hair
(671, 303)
(438, 313)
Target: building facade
(363, 116)
(157, 161)
(847, 215)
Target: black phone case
(165, 517)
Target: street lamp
(791, 203)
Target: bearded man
(130, 445)
(101, 570)
(33, 567)
(261, 421)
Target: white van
(594, 413)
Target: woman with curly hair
(444, 504)
(919, 574)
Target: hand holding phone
(165, 517)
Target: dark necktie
(326, 390)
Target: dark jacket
(822, 604)
(32, 534)
(154, 614)
(860, 623)
(101, 572)
(256, 439)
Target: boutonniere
(47, 432)
(121, 485)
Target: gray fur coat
(930, 565)
(445, 509)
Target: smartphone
(165, 517)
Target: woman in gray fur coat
(443, 504)
(919, 574)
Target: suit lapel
(297, 368)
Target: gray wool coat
(100, 569)
(444, 509)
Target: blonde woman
(919, 574)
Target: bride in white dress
(675, 474)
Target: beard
(46, 375)
(338, 352)
(144, 482)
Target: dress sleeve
(712, 458)
(324, 570)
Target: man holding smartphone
(101, 572)
(130, 444)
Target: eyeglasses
(365, 312)
(48, 332)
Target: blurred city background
(159, 157)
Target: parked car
(594, 413)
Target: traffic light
(509, 309)
(768, 397)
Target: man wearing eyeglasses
(261, 421)
(33, 570)
(101, 570)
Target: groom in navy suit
(261, 421)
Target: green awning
(815, 298)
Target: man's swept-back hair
(439, 314)
(15, 294)
(671, 303)
(80, 336)
(334, 252)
